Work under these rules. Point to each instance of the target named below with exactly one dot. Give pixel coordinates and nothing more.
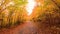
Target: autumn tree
(11, 12)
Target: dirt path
(26, 28)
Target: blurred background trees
(12, 12)
(47, 15)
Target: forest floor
(28, 27)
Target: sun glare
(29, 7)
